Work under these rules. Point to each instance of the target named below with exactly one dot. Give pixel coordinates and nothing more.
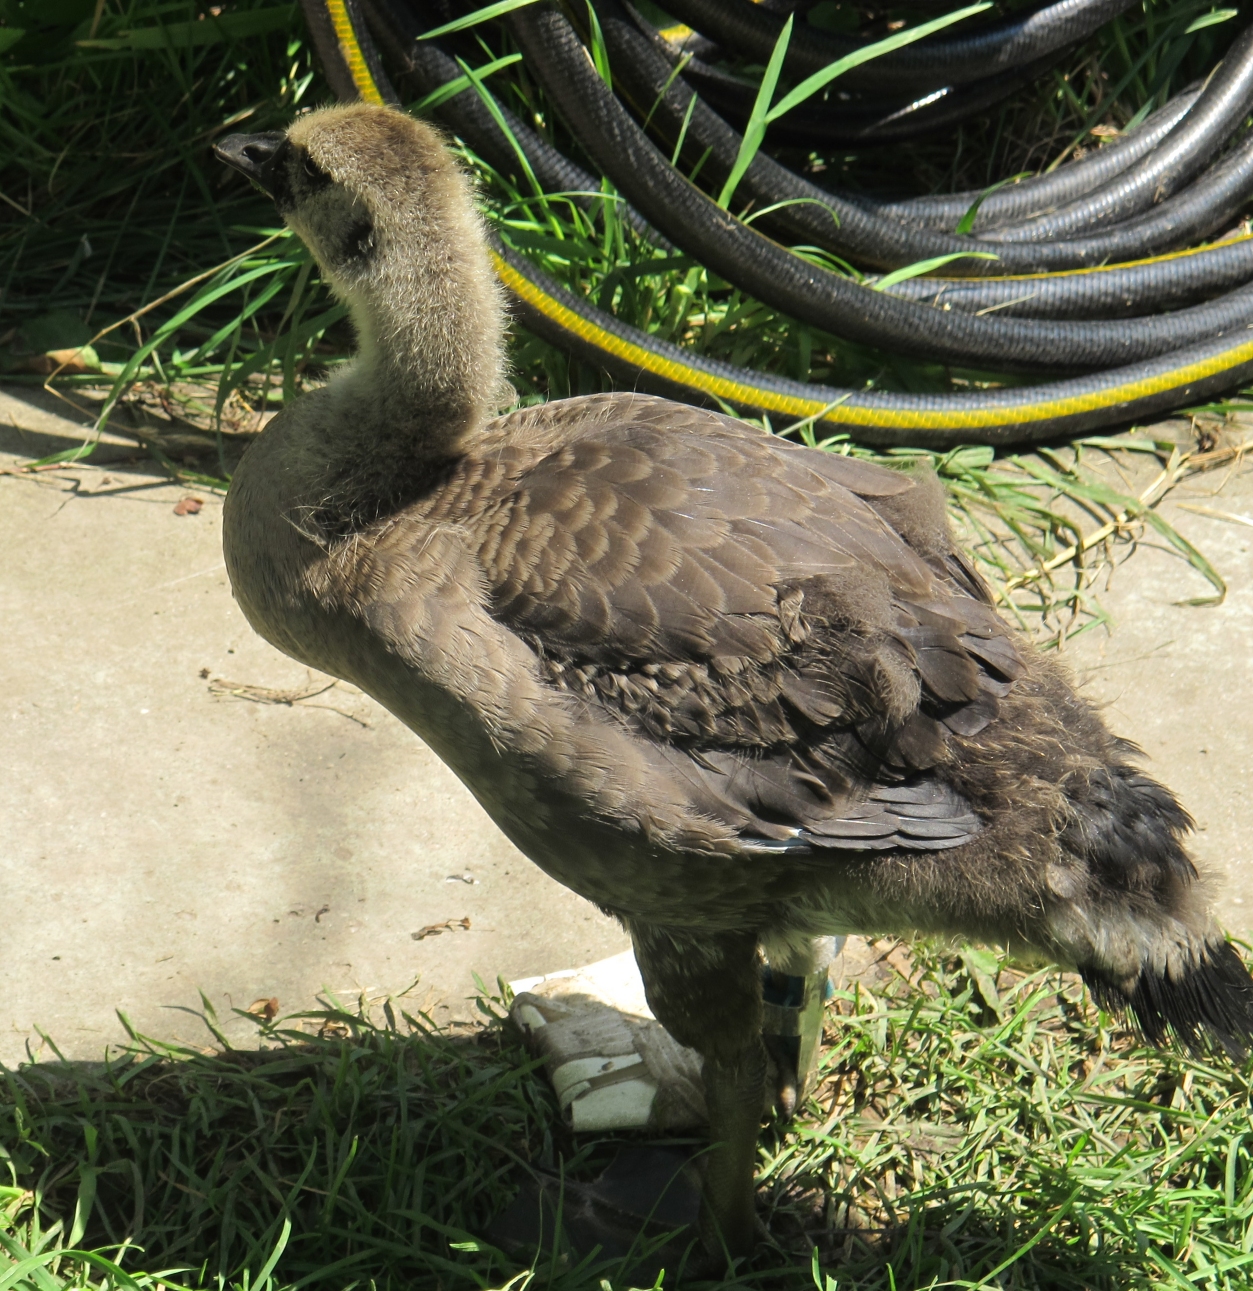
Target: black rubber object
(694, 222)
(852, 228)
(861, 232)
(800, 289)
(1041, 193)
(935, 61)
(1221, 108)
(1013, 416)
(856, 123)
(1114, 291)
(860, 121)
(1108, 293)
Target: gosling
(739, 693)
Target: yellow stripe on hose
(680, 373)
(1164, 258)
(1047, 409)
(850, 414)
(745, 392)
(350, 51)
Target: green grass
(973, 1127)
(982, 1131)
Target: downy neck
(428, 374)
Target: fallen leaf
(266, 1010)
(334, 1031)
(434, 929)
(63, 362)
(188, 506)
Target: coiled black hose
(1114, 291)
(858, 231)
(800, 289)
(936, 61)
(1023, 415)
(1110, 293)
(858, 124)
(1020, 415)
(1221, 108)
(805, 213)
(845, 120)
(1041, 193)
(1018, 202)
(1204, 210)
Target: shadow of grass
(1040, 1151)
(141, 431)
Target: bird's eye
(311, 169)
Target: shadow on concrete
(136, 434)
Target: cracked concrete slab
(178, 819)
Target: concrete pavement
(170, 828)
(160, 840)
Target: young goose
(736, 692)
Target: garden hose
(1021, 200)
(1219, 110)
(1112, 291)
(851, 228)
(932, 63)
(800, 288)
(1041, 193)
(1003, 416)
(845, 120)
(801, 211)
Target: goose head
(389, 216)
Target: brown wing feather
(748, 602)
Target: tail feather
(1153, 953)
(1208, 1003)
(1128, 827)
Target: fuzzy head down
(390, 217)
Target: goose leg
(733, 1095)
(705, 989)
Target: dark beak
(253, 154)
